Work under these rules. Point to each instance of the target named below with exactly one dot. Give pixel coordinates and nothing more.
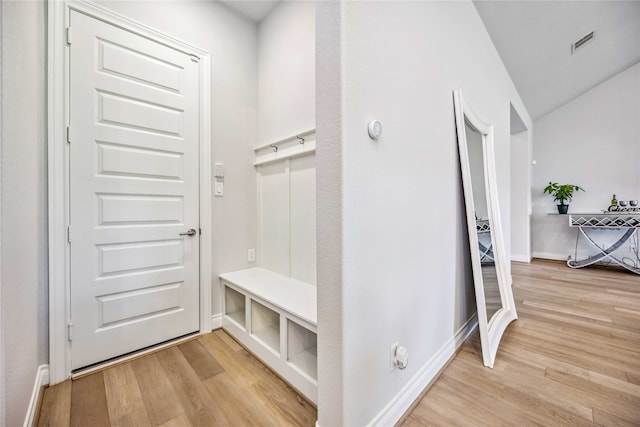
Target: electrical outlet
(392, 356)
(251, 255)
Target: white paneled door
(134, 192)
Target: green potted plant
(561, 193)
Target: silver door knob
(190, 232)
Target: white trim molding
(58, 183)
(550, 255)
(2, 326)
(300, 144)
(216, 321)
(58, 170)
(42, 380)
(521, 258)
(397, 407)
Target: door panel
(122, 111)
(123, 160)
(134, 189)
(138, 66)
(115, 209)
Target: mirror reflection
(475, 151)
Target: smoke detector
(583, 41)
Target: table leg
(605, 253)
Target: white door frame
(58, 172)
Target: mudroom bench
(275, 317)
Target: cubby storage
(235, 306)
(302, 349)
(280, 326)
(265, 325)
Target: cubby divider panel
(302, 349)
(265, 325)
(235, 306)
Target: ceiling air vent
(583, 41)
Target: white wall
(405, 269)
(329, 207)
(2, 380)
(286, 64)
(594, 142)
(23, 278)
(232, 42)
(286, 75)
(521, 197)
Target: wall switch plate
(251, 255)
(218, 170)
(219, 189)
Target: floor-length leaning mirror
(494, 298)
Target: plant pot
(562, 209)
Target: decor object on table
(561, 193)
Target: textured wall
(393, 246)
(329, 189)
(24, 325)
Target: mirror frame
(491, 330)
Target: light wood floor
(209, 381)
(572, 357)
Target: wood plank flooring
(572, 357)
(209, 381)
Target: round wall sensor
(375, 129)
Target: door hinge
(68, 135)
(194, 58)
(200, 230)
(70, 331)
(69, 35)
(69, 234)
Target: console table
(629, 222)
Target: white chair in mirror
(492, 281)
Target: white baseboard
(521, 258)
(395, 409)
(216, 321)
(42, 380)
(550, 255)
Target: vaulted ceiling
(534, 40)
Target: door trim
(58, 169)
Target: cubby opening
(235, 306)
(265, 325)
(302, 349)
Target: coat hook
(275, 149)
(301, 139)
